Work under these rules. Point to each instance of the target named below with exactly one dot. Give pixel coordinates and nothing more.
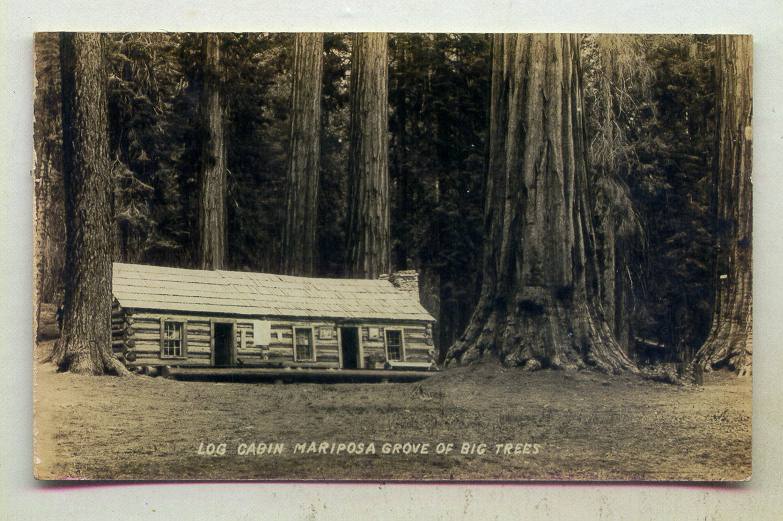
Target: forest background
(650, 125)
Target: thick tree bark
(212, 179)
(85, 343)
(299, 236)
(538, 297)
(368, 239)
(729, 343)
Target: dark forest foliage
(650, 132)
(651, 161)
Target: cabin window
(173, 339)
(304, 349)
(394, 345)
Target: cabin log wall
(416, 342)
(122, 332)
(145, 336)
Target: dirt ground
(582, 425)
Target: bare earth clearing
(589, 427)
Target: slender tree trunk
(400, 252)
(40, 200)
(85, 343)
(212, 179)
(368, 203)
(48, 202)
(729, 343)
(613, 210)
(606, 242)
(624, 298)
(608, 265)
(539, 275)
(299, 237)
(614, 237)
(53, 229)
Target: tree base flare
(729, 345)
(84, 358)
(715, 354)
(549, 335)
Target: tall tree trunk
(616, 232)
(606, 250)
(49, 202)
(85, 342)
(299, 244)
(401, 248)
(368, 204)
(729, 342)
(42, 189)
(212, 179)
(624, 298)
(536, 306)
(616, 224)
(606, 242)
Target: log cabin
(195, 318)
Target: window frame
(183, 339)
(399, 330)
(314, 357)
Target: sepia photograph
(392, 256)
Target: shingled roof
(261, 294)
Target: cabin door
(349, 345)
(223, 344)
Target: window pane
(394, 344)
(172, 339)
(304, 344)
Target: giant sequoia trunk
(538, 299)
(299, 245)
(729, 342)
(212, 178)
(368, 203)
(85, 342)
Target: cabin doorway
(349, 346)
(223, 342)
